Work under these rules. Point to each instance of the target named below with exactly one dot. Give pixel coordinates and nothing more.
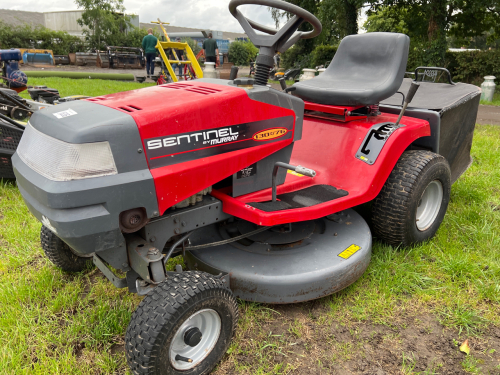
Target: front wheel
(412, 204)
(183, 326)
(61, 255)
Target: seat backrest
(366, 69)
(371, 60)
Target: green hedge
(25, 36)
(241, 53)
(466, 66)
(322, 55)
(472, 66)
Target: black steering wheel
(278, 40)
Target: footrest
(307, 197)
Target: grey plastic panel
(269, 95)
(95, 123)
(375, 140)
(85, 212)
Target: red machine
(255, 187)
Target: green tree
(304, 46)
(132, 38)
(252, 50)
(437, 19)
(339, 19)
(193, 44)
(105, 21)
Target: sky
(203, 14)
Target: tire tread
(60, 254)
(390, 208)
(162, 307)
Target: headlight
(62, 161)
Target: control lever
(299, 169)
(282, 83)
(284, 87)
(409, 97)
(234, 73)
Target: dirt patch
(89, 280)
(302, 341)
(117, 349)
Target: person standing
(180, 56)
(210, 49)
(149, 47)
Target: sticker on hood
(66, 113)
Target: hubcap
(195, 339)
(193, 336)
(429, 205)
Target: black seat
(366, 69)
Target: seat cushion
(366, 69)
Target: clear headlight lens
(62, 161)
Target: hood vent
(192, 88)
(130, 108)
(176, 86)
(203, 90)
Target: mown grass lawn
(408, 314)
(89, 87)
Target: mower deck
(287, 264)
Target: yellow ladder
(191, 58)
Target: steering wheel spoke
(290, 42)
(276, 40)
(287, 31)
(276, 36)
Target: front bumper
(85, 213)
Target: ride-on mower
(253, 186)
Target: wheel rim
(429, 205)
(208, 322)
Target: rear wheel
(183, 326)
(414, 199)
(61, 255)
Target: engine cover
(198, 133)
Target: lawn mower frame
(253, 186)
